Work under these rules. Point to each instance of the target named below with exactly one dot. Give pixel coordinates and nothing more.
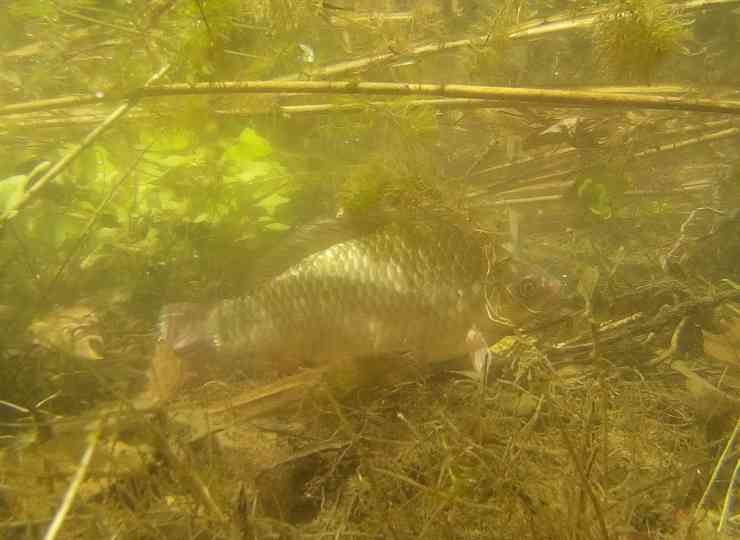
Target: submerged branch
(23, 121)
(34, 122)
(572, 98)
(639, 324)
(541, 96)
(529, 30)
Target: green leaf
(601, 202)
(106, 236)
(584, 187)
(62, 229)
(271, 202)
(596, 197)
(250, 147)
(172, 160)
(253, 170)
(258, 146)
(277, 227)
(11, 192)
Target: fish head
(522, 293)
(73, 330)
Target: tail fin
(185, 328)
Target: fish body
(424, 290)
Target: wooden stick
(74, 486)
(33, 122)
(570, 98)
(540, 96)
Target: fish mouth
(90, 347)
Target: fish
(433, 291)
(73, 330)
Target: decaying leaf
(167, 373)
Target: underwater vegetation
(404, 269)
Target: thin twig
(85, 18)
(63, 163)
(720, 462)
(85, 233)
(513, 185)
(74, 486)
(586, 485)
(533, 29)
(729, 498)
(189, 475)
(689, 469)
(422, 487)
(202, 12)
(709, 137)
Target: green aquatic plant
(185, 199)
(363, 191)
(497, 58)
(633, 37)
(600, 190)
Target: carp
(432, 291)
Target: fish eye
(527, 288)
